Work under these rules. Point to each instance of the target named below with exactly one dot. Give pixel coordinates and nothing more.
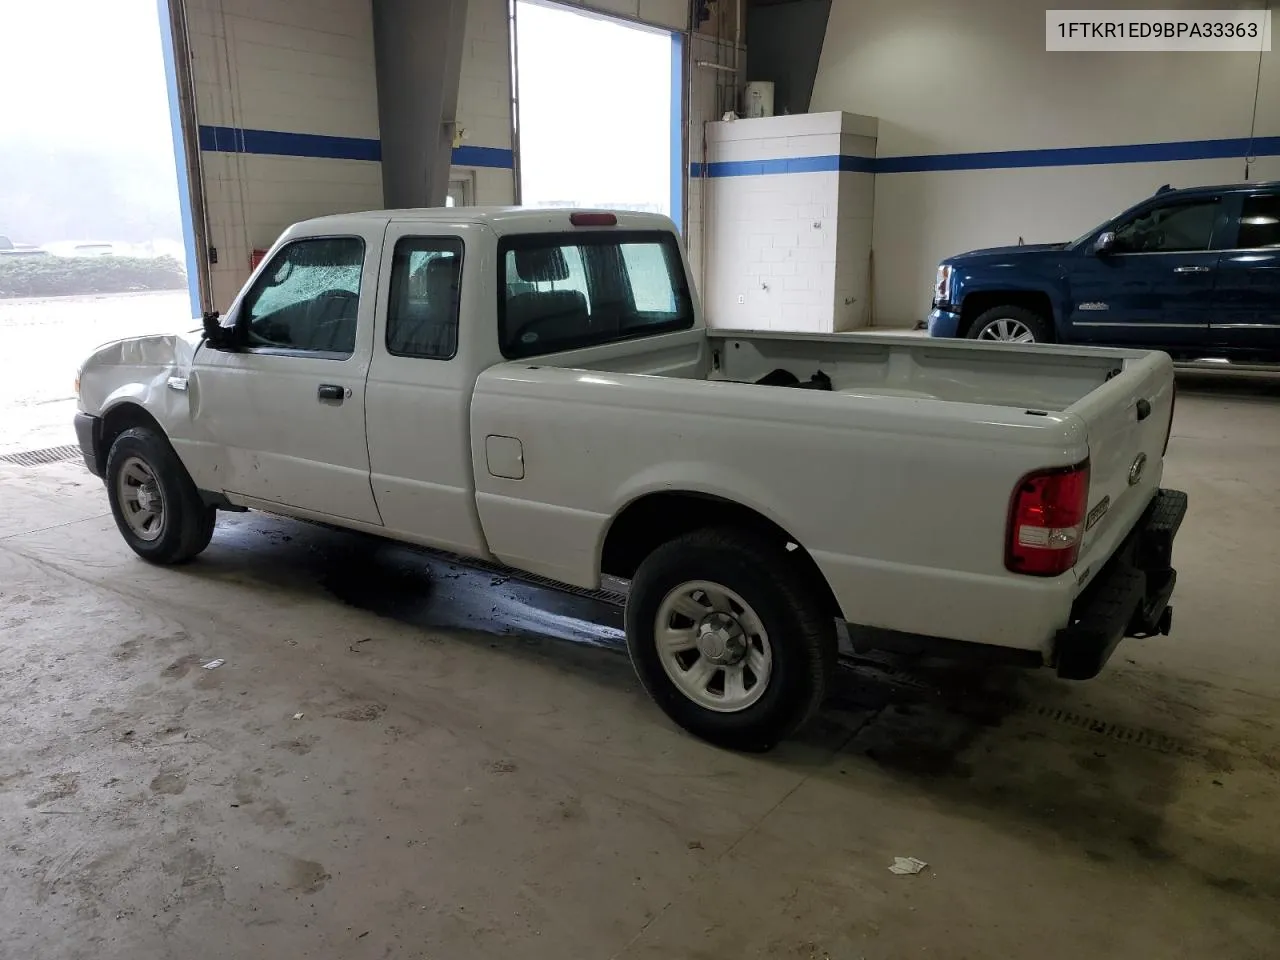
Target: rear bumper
(1130, 595)
(944, 323)
(89, 436)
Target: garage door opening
(626, 78)
(91, 238)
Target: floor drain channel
(1136, 736)
(33, 458)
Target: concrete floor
(465, 780)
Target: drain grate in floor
(1147, 739)
(33, 458)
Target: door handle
(1191, 269)
(331, 391)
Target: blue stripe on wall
(1085, 156)
(281, 144)
(832, 163)
(999, 160)
(483, 157)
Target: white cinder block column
(787, 212)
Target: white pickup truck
(537, 388)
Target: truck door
(1154, 286)
(421, 380)
(289, 408)
(1246, 313)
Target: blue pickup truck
(1194, 272)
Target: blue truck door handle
(1191, 269)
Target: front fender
(138, 371)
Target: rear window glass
(560, 292)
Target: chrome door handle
(331, 391)
(1191, 269)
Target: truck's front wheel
(728, 637)
(156, 506)
(1011, 325)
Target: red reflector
(1046, 521)
(593, 219)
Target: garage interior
(321, 744)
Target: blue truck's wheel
(1011, 325)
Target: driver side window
(308, 298)
(1173, 228)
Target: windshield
(560, 292)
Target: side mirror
(1105, 241)
(220, 337)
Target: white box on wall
(787, 216)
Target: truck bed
(914, 437)
(1043, 378)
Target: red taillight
(1046, 521)
(593, 219)
(1168, 431)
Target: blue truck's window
(307, 298)
(1172, 228)
(559, 291)
(1259, 222)
(422, 310)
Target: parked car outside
(1194, 272)
(10, 249)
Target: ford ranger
(538, 389)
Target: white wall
(949, 78)
(283, 66)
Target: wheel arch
(116, 419)
(655, 518)
(979, 302)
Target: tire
(774, 608)
(144, 473)
(1011, 320)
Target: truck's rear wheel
(156, 505)
(1011, 325)
(728, 637)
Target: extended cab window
(1260, 222)
(559, 292)
(307, 298)
(1172, 228)
(422, 314)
